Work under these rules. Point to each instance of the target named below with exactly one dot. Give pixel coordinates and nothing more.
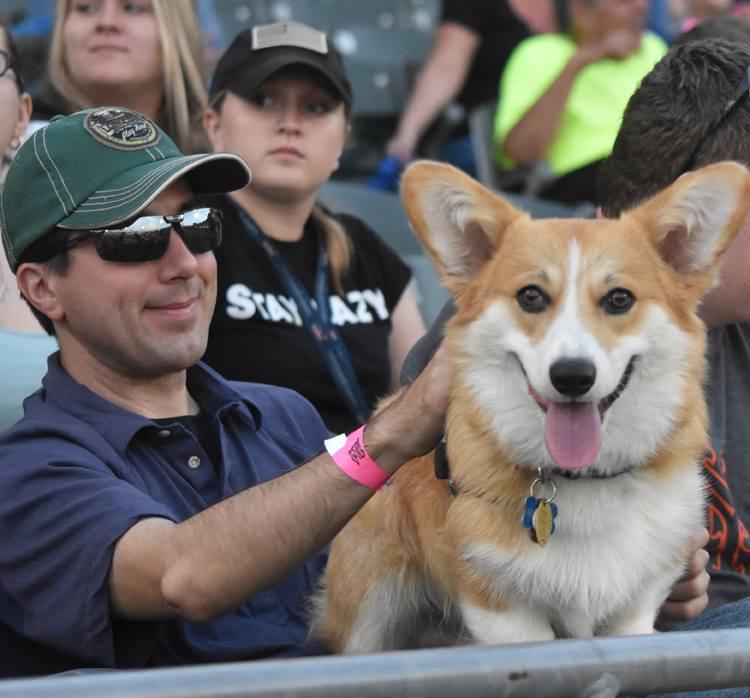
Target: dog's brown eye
(532, 299)
(618, 301)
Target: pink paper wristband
(348, 452)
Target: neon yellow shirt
(593, 112)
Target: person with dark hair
(562, 95)
(690, 111)
(24, 346)
(298, 285)
(153, 513)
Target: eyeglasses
(740, 92)
(147, 238)
(7, 63)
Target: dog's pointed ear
(692, 222)
(459, 222)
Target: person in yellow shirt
(562, 95)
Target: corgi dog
(575, 424)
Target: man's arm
(439, 82)
(214, 561)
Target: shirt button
(164, 433)
(194, 462)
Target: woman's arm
(439, 82)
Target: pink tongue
(573, 433)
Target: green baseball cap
(99, 168)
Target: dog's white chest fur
(614, 556)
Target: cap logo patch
(289, 34)
(123, 129)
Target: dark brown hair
(674, 122)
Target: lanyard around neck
(315, 314)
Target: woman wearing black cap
(306, 299)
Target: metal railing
(603, 667)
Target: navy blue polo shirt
(77, 472)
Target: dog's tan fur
(414, 533)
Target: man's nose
(178, 260)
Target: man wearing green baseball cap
(135, 528)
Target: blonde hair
(185, 94)
(338, 245)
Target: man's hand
(411, 423)
(689, 596)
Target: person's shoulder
(367, 245)
(540, 50)
(359, 232)
(653, 45)
(355, 228)
(48, 433)
(545, 42)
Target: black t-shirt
(257, 335)
(499, 30)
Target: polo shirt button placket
(164, 433)
(194, 462)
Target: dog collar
(443, 471)
(539, 509)
(577, 475)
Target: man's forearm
(245, 544)
(216, 560)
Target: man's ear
(37, 284)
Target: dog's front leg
(505, 623)
(638, 619)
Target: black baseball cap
(256, 54)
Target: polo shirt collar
(118, 425)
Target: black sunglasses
(740, 92)
(147, 238)
(7, 63)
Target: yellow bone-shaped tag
(542, 522)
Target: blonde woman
(143, 54)
(307, 299)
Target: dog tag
(542, 523)
(539, 517)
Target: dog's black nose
(572, 377)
